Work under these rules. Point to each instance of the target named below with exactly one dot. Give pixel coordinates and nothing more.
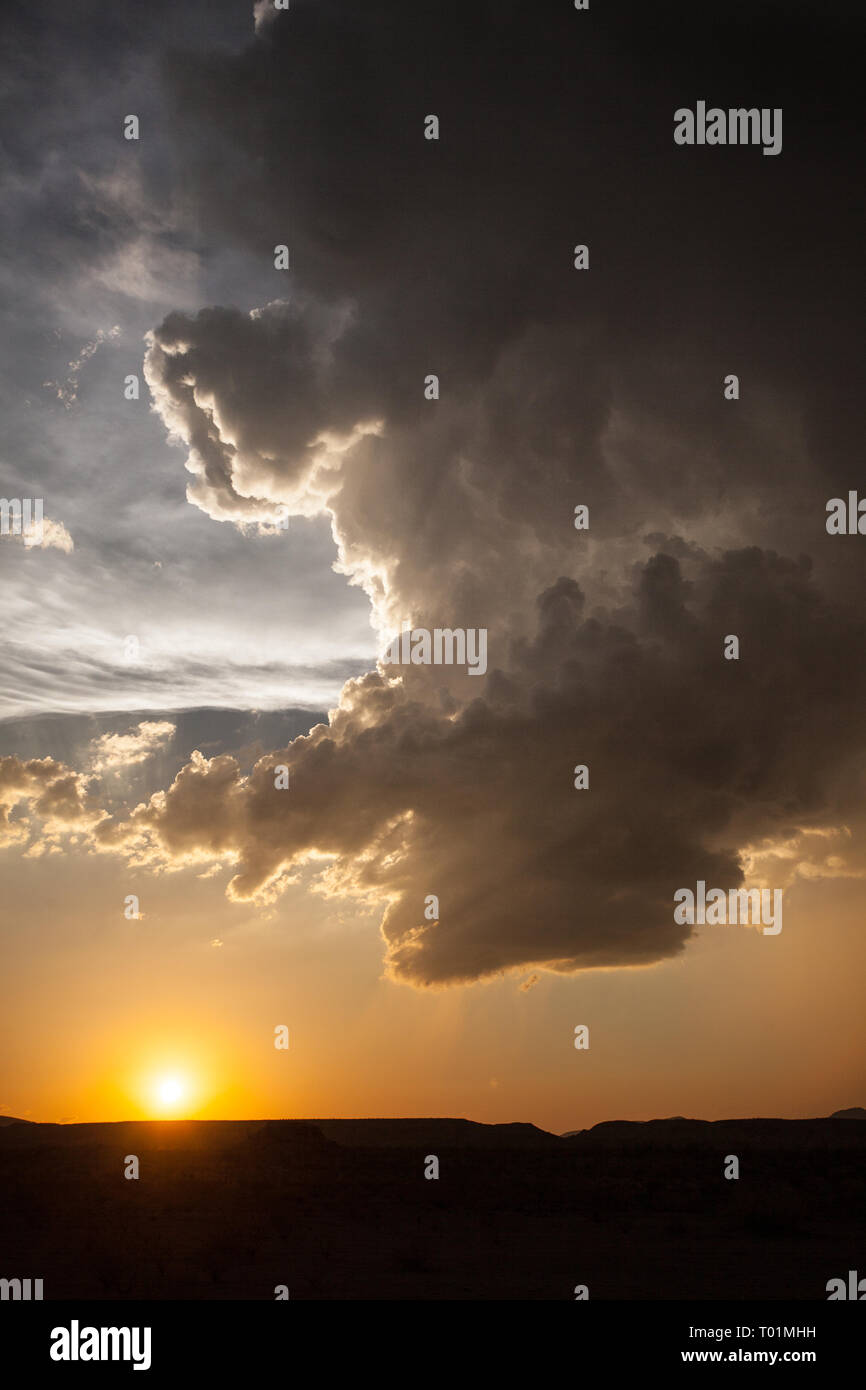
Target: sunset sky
(146, 767)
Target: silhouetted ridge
(682, 1133)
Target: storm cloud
(558, 387)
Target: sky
(227, 552)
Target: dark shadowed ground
(340, 1209)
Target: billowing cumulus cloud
(476, 804)
(113, 752)
(557, 388)
(454, 257)
(43, 795)
(53, 535)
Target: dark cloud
(455, 257)
(558, 387)
(556, 129)
(602, 387)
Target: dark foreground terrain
(340, 1209)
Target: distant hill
(679, 1132)
(644, 1129)
(457, 1134)
(12, 1120)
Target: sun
(170, 1082)
(170, 1091)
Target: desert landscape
(341, 1209)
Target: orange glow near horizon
(165, 1028)
(169, 1083)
